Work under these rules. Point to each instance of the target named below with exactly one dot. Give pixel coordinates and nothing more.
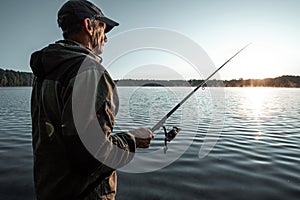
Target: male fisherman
(69, 83)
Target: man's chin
(98, 51)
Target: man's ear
(87, 23)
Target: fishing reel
(170, 135)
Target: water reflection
(258, 135)
(255, 106)
(256, 97)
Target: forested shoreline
(282, 81)
(10, 78)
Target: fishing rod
(172, 134)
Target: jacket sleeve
(91, 101)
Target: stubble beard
(97, 44)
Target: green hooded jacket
(74, 103)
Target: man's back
(62, 166)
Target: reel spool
(170, 135)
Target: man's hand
(143, 136)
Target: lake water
(255, 156)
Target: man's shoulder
(63, 59)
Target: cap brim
(110, 24)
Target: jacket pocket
(109, 184)
(109, 116)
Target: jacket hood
(44, 61)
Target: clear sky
(220, 27)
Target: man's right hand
(143, 136)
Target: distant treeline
(152, 83)
(13, 78)
(282, 81)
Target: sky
(219, 27)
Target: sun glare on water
(256, 98)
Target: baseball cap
(76, 10)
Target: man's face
(99, 37)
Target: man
(73, 106)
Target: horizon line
(226, 79)
(191, 79)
